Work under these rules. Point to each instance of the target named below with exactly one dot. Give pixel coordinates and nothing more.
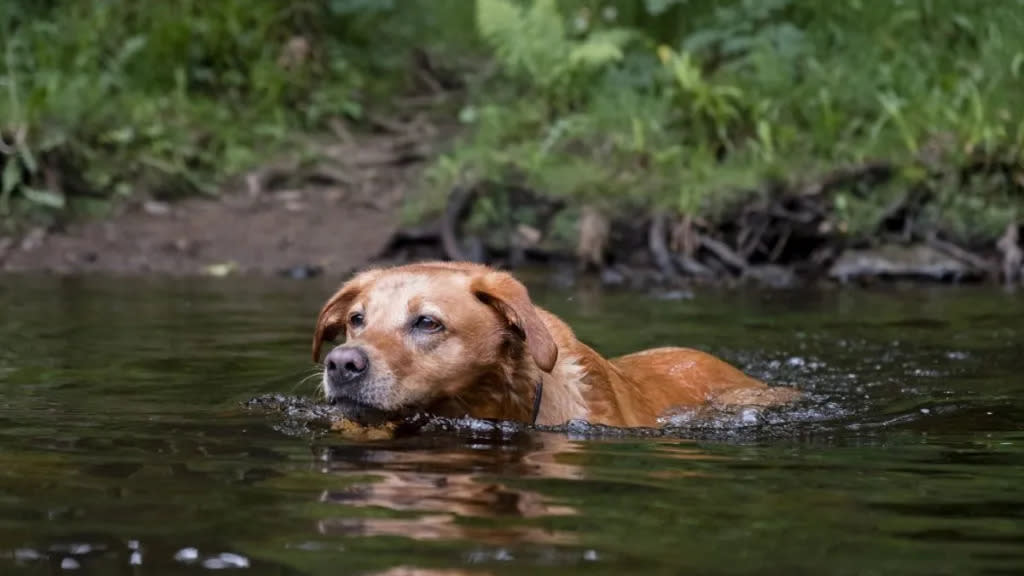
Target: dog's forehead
(396, 291)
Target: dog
(458, 339)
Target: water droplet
(749, 416)
(226, 560)
(187, 555)
(503, 555)
(26, 555)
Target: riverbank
(789, 143)
(345, 211)
(289, 217)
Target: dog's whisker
(317, 373)
(309, 377)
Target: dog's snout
(345, 364)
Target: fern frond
(600, 49)
(498, 20)
(530, 43)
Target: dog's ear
(510, 298)
(334, 313)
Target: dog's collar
(537, 395)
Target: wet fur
(496, 346)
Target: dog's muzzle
(346, 365)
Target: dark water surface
(123, 449)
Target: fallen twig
(954, 251)
(724, 253)
(656, 233)
(692, 267)
(1009, 245)
(847, 174)
(780, 244)
(460, 202)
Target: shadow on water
(125, 449)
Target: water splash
(303, 417)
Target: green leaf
(841, 203)
(658, 7)
(27, 158)
(123, 135)
(594, 54)
(530, 43)
(44, 197)
(468, 115)
(12, 175)
(600, 49)
(11, 179)
(495, 18)
(131, 47)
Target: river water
(124, 447)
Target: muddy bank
(341, 212)
(782, 239)
(295, 217)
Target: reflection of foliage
(690, 102)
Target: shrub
(690, 105)
(103, 98)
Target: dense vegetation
(108, 98)
(686, 105)
(693, 104)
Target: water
(124, 449)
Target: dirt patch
(329, 215)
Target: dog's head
(422, 334)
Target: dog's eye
(427, 324)
(356, 320)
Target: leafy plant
(103, 99)
(696, 104)
(532, 44)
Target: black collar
(538, 394)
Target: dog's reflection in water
(444, 485)
(414, 571)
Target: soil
(340, 211)
(328, 217)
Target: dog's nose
(345, 364)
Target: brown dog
(459, 339)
